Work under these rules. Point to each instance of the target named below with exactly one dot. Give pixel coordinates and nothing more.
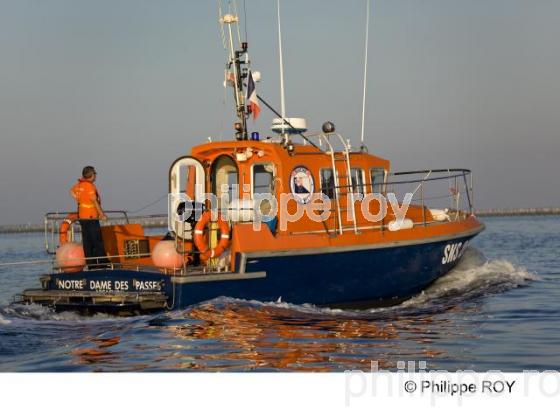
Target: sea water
(498, 310)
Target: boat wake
(474, 277)
(42, 313)
(4, 321)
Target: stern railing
(53, 220)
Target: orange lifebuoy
(201, 242)
(64, 229)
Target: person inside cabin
(327, 183)
(89, 213)
(299, 187)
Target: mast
(235, 74)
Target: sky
(130, 85)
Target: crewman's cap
(88, 171)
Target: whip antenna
(245, 20)
(365, 76)
(282, 97)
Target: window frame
(358, 195)
(334, 182)
(274, 171)
(383, 189)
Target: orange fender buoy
(64, 229)
(70, 257)
(199, 237)
(165, 255)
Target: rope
(237, 14)
(149, 205)
(421, 182)
(223, 35)
(223, 116)
(36, 262)
(285, 120)
(50, 261)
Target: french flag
(252, 99)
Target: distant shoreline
(517, 211)
(161, 222)
(146, 222)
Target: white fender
(405, 224)
(440, 215)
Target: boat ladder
(337, 177)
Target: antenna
(282, 97)
(365, 75)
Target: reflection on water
(277, 339)
(237, 335)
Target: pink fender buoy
(70, 257)
(165, 256)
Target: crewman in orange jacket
(89, 213)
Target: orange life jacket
(85, 194)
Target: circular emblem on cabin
(302, 184)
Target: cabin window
(263, 175)
(187, 179)
(377, 180)
(263, 183)
(224, 179)
(357, 182)
(232, 183)
(327, 182)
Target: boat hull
(380, 275)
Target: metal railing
(448, 189)
(423, 184)
(53, 220)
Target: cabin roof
(275, 152)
